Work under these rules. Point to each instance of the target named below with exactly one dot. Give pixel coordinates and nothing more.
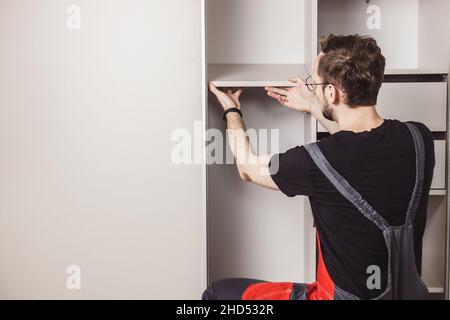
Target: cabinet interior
(250, 44)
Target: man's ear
(333, 94)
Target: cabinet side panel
(86, 121)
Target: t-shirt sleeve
(291, 171)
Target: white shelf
(254, 75)
(277, 75)
(438, 192)
(413, 71)
(436, 290)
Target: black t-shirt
(380, 165)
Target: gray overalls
(403, 280)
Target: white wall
(85, 171)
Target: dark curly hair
(355, 64)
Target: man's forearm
(238, 139)
(251, 167)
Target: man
(377, 165)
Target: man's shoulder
(426, 132)
(428, 140)
(345, 143)
(390, 124)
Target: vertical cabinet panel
(86, 118)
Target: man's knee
(206, 295)
(210, 292)
(227, 288)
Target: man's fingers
(213, 88)
(283, 101)
(297, 80)
(273, 95)
(280, 98)
(277, 90)
(288, 104)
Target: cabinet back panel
(398, 32)
(421, 101)
(253, 231)
(256, 31)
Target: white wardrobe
(259, 233)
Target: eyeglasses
(312, 86)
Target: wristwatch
(231, 110)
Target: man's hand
(227, 100)
(301, 99)
(298, 98)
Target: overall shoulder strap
(419, 147)
(344, 187)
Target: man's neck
(358, 118)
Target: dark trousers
(228, 288)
